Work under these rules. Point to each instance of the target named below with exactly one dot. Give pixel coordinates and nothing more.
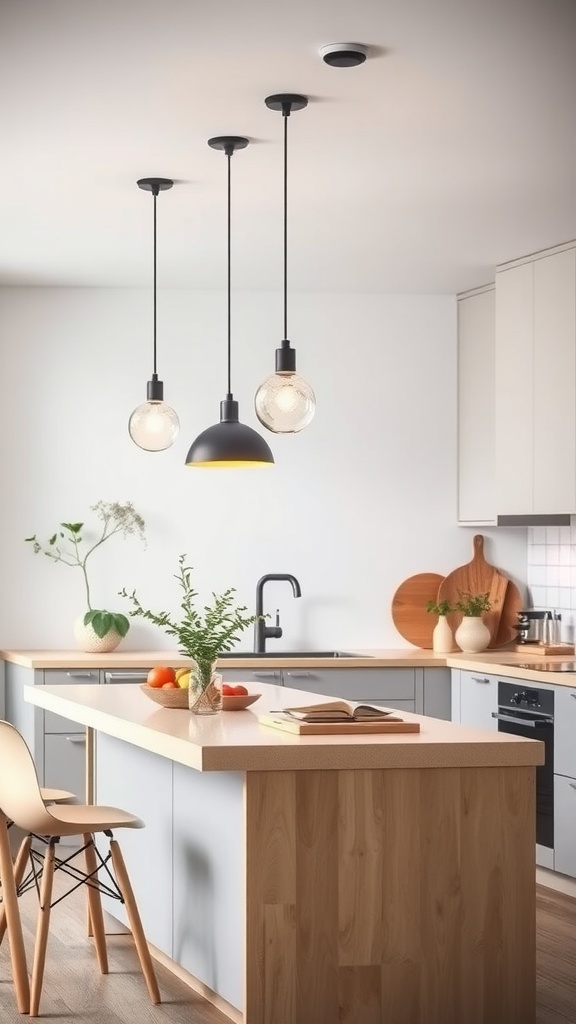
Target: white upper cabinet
(535, 385)
(476, 334)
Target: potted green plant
(202, 635)
(97, 630)
(442, 638)
(473, 635)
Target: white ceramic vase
(442, 638)
(90, 642)
(472, 635)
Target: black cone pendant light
(285, 402)
(229, 443)
(154, 426)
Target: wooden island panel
(390, 897)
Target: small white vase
(442, 638)
(90, 642)
(472, 635)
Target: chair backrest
(20, 796)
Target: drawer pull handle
(76, 739)
(125, 677)
(266, 675)
(80, 675)
(479, 679)
(299, 675)
(572, 785)
(573, 695)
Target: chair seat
(75, 819)
(53, 796)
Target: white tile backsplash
(551, 572)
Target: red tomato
(227, 690)
(240, 691)
(161, 674)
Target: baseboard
(556, 881)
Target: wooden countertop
(503, 661)
(373, 658)
(235, 741)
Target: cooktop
(548, 666)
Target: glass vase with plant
(69, 546)
(202, 636)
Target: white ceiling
(452, 149)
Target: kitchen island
(369, 879)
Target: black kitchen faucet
(261, 631)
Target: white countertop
(236, 741)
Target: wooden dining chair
(21, 802)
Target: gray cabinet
(57, 744)
(394, 687)
(425, 691)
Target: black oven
(525, 711)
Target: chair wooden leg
(13, 923)
(95, 917)
(19, 868)
(42, 929)
(135, 922)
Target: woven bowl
(167, 698)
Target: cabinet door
(141, 783)
(251, 675)
(565, 825)
(438, 693)
(476, 331)
(61, 677)
(555, 383)
(390, 686)
(65, 762)
(514, 374)
(478, 699)
(565, 731)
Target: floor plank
(75, 992)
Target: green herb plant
(440, 607)
(201, 635)
(473, 605)
(68, 546)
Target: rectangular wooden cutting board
(334, 728)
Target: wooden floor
(75, 992)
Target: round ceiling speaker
(343, 55)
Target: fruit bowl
(238, 702)
(170, 698)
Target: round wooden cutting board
(409, 613)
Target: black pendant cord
(229, 155)
(286, 113)
(154, 374)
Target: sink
(287, 654)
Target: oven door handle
(530, 723)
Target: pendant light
(285, 403)
(229, 444)
(154, 426)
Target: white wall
(357, 502)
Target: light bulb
(154, 426)
(285, 403)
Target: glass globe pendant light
(285, 403)
(229, 444)
(154, 426)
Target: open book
(339, 711)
